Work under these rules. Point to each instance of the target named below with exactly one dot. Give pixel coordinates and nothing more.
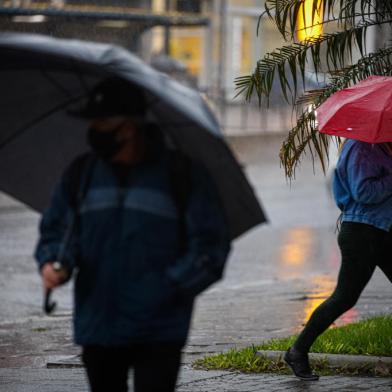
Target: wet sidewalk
(277, 274)
(73, 380)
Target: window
(189, 5)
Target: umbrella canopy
(168, 64)
(42, 77)
(362, 112)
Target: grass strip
(368, 337)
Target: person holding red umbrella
(362, 188)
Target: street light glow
(309, 20)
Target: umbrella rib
(381, 119)
(35, 121)
(61, 87)
(55, 83)
(50, 111)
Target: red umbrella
(362, 112)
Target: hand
(52, 277)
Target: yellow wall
(158, 5)
(246, 48)
(187, 46)
(242, 3)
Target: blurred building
(121, 22)
(203, 43)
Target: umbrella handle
(49, 306)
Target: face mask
(105, 144)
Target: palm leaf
(289, 63)
(295, 56)
(304, 135)
(285, 13)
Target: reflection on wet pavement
(295, 252)
(295, 261)
(322, 288)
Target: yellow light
(309, 21)
(296, 249)
(324, 286)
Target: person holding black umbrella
(148, 234)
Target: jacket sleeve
(369, 181)
(53, 228)
(207, 239)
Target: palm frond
(285, 13)
(295, 56)
(289, 63)
(304, 136)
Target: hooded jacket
(135, 279)
(362, 184)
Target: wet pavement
(67, 380)
(277, 274)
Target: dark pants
(363, 248)
(155, 367)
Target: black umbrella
(42, 77)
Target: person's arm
(53, 227)
(369, 182)
(207, 239)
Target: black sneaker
(299, 364)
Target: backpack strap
(78, 179)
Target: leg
(385, 262)
(156, 367)
(359, 245)
(107, 368)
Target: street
(277, 274)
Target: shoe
(299, 364)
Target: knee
(343, 304)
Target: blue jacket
(363, 184)
(135, 283)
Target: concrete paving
(277, 274)
(73, 380)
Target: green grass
(368, 337)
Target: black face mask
(104, 143)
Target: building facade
(205, 43)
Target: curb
(337, 360)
